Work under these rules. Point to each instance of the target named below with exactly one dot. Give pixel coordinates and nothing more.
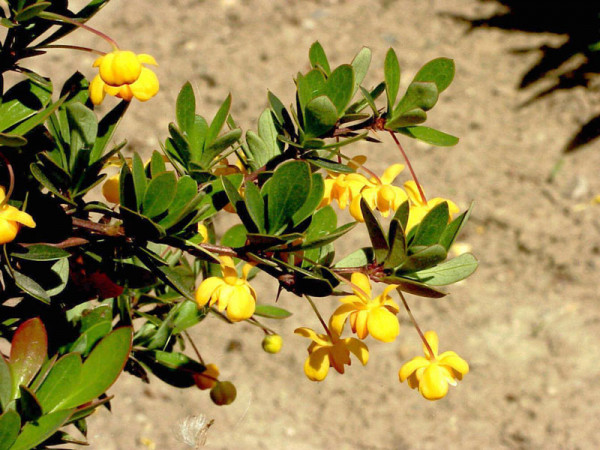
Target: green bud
(272, 343)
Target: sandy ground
(528, 321)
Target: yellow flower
(376, 316)
(419, 209)
(432, 374)
(229, 292)
(11, 220)
(343, 188)
(272, 343)
(380, 194)
(110, 189)
(330, 351)
(121, 74)
(208, 378)
(203, 231)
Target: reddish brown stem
(416, 325)
(412, 172)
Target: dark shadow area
(573, 63)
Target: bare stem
(189, 338)
(314, 307)
(416, 325)
(72, 47)
(11, 178)
(60, 18)
(412, 172)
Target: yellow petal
(206, 290)
(241, 304)
(386, 292)
(434, 384)
(146, 59)
(146, 86)
(391, 173)
(432, 339)
(2, 194)
(124, 68)
(8, 231)
(355, 210)
(320, 339)
(383, 325)
(339, 356)
(360, 324)
(413, 192)
(411, 366)
(455, 362)
(316, 365)
(96, 90)
(362, 282)
(9, 212)
(358, 349)
(339, 316)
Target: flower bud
(223, 393)
(110, 189)
(272, 343)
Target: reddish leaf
(28, 352)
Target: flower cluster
(122, 75)
(11, 219)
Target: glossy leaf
(41, 252)
(102, 367)
(448, 272)
(432, 226)
(27, 353)
(6, 384)
(14, 110)
(440, 71)
(429, 135)
(83, 126)
(320, 116)
(271, 312)
(34, 433)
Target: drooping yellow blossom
(343, 188)
(208, 378)
(330, 351)
(110, 189)
(419, 208)
(376, 316)
(229, 292)
(11, 220)
(432, 374)
(122, 74)
(380, 194)
(203, 231)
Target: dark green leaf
(402, 214)
(214, 149)
(409, 118)
(5, 384)
(429, 135)
(106, 128)
(159, 194)
(448, 272)
(255, 206)
(83, 125)
(420, 94)
(428, 257)
(376, 234)
(397, 243)
(289, 189)
(318, 59)
(28, 405)
(174, 279)
(23, 100)
(312, 201)
(330, 165)
(453, 229)
(140, 226)
(12, 140)
(440, 71)
(41, 252)
(271, 312)
(215, 197)
(217, 124)
(102, 367)
(235, 236)
(432, 226)
(31, 287)
(359, 258)
(138, 174)
(320, 116)
(340, 87)
(157, 164)
(268, 134)
(391, 70)
(328, 237)
(185, 108)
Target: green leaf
(216, 198)
(360, 64)
(140, 226)
(34, 433)
(102, 367)
(414, 287)
(330, 165)
(268, 135)
(174, 279)
(175, 369)
(255, 206)
(432, 226)
(369, 100)
(10, 425)
(429, 135)
(157, 164)
(376, 234)
(271, 312)
(397, 243)
(330, 237)
(185, 108)
(83, 125)
(309, 86)
(391, 71)
(41, 252)
(428, 257)
(312, 201)
(31, 11)
(213, 150)
(448, 272)
(318, 59)
(359, 258)
(320, 117)
(23, 100)
(289, 189)
(159, 194)
(12, 140)
(235, 236)
(27, 353)
(31, 287)
(186, 201)
(60, 270)
(5, 384)
(140, 181)
(402, 214)
(217, 123)
(409, 118)
(106, 129)
(453, 229)
(440, 71)
(28, 405)
(339, 87)
(420, 94)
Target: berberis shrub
(93, 288)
